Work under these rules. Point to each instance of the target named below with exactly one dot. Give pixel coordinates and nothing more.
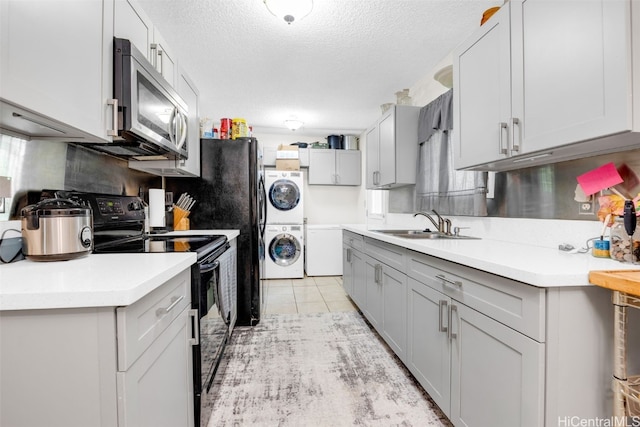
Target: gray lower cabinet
(372, 308)
(104, 366)
(489, 350)
(497, 374)
(428, 349)
(394, 309)
(353, 267)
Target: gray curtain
(438, 185)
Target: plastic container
(621, 247)
(601, 249)
(239, 128)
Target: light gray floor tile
(307, 281)
(278, 282)
(345, 305)
(308, 294)
(312, 307)
(272, 308)
(326, 280)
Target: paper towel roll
(156, 207)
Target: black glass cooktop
(202, 245)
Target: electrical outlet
(585, 208)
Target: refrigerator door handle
(263, 205)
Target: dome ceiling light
(293, 124)
(289, 10)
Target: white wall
(323, 204)
(326, 204)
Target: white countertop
(538, 266)
(97, 280)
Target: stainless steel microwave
(151, 116)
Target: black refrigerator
(230, 194)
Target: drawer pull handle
(442, 305)
(449, 281)
(174, 301)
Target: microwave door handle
(183, 130)
(172, 126)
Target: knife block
(180, 219)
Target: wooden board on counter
(627, 281)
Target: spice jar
(621, 247)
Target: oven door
(214, 318)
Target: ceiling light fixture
(289, 10)
(293, 124)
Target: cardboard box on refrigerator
(287, 152)
(288, 164)
(287, 158)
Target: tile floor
(319, 294)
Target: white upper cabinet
(543, 81)
(132, 23)
(56, 69)
(334, 167)
(392, 148)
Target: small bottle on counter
(621, 246)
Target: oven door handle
(205, 268)
(195, 328)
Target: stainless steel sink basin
(423, 234)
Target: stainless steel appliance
(119, 228)
(151, 116)
(56, 230)
(231, 195)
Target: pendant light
(289, 10)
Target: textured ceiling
(332, 69)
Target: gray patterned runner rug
(316, 370)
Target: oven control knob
(134, 206)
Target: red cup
(225, 128)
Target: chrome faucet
(426, 215)
(443, 224)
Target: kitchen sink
(424, 234)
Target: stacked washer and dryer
(284, 231)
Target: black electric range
(118, 227)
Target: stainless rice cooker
(56, 230)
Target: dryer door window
(284, 249)
(284, 195)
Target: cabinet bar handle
(161, 61)
(114, 130)
(442, 305)
(515, 148)
(349, 255)
(174, 301)
(153, 47)
(501, 148)
(195, 330)
(452, 335)
(449, 281)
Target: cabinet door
(497, 374)
(428, 351)
(372, 307)
(387, 148)
(359, 278)
(347, 270)
(322, 167)
(373, 157)
(394, 310)
(482, 99)
(566, 88)
(348, 167)
(56, 60)
(133, 24)
(157, 390)
(164, 59)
